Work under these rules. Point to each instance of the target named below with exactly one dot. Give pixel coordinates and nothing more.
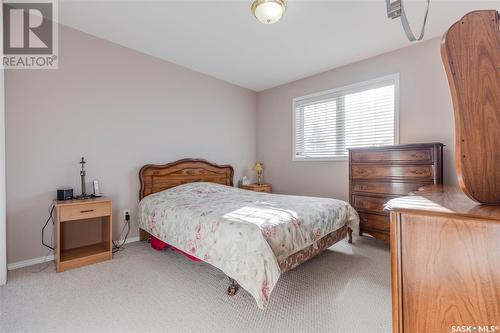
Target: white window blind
(360, 115)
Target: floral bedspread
(243, 233)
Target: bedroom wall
(425, 116)
(3, 226)
(120, 109)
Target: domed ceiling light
(268, 11)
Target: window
(327, 123)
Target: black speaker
(65, 194)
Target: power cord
(50, 218)
(116, 245)
(48, 246)
(45, 259)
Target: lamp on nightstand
(259, 168)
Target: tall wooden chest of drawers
(379, 174)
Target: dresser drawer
(409, 155)
(85, 211)
(373, 204)
(394, 188)
(411, 172)
(374, 222)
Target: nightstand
(83, 232)
(258, 188)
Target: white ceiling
(224, 40)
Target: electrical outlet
(125, 213)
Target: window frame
(394, 77)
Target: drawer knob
(418, 172)
(86, 211)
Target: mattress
(241, 232)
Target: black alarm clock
(64, 194)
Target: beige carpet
(346, 289)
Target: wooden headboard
(156, 178)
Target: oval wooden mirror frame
(470, 52)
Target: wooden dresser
(445, 259)
(378, 174)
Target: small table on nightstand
(258, 188)
(73, 218)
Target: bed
(192, 206)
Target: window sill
(320, 159)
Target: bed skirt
(286, 264)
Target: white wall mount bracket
(395, 9)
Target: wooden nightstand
(76, 245)
(258, 188)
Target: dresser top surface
(399, 146)
(443, 200)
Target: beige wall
(120, 109)
(425, 116)
(3, 226)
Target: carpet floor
(345, 289)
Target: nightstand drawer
(266, 189)
(257, 188)
(85, 211)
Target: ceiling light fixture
(268, 11)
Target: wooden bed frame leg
(349, 235)
(233, 287)
(143, 235)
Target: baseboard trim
(131, 240)
(30, 262)
(50, 257)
